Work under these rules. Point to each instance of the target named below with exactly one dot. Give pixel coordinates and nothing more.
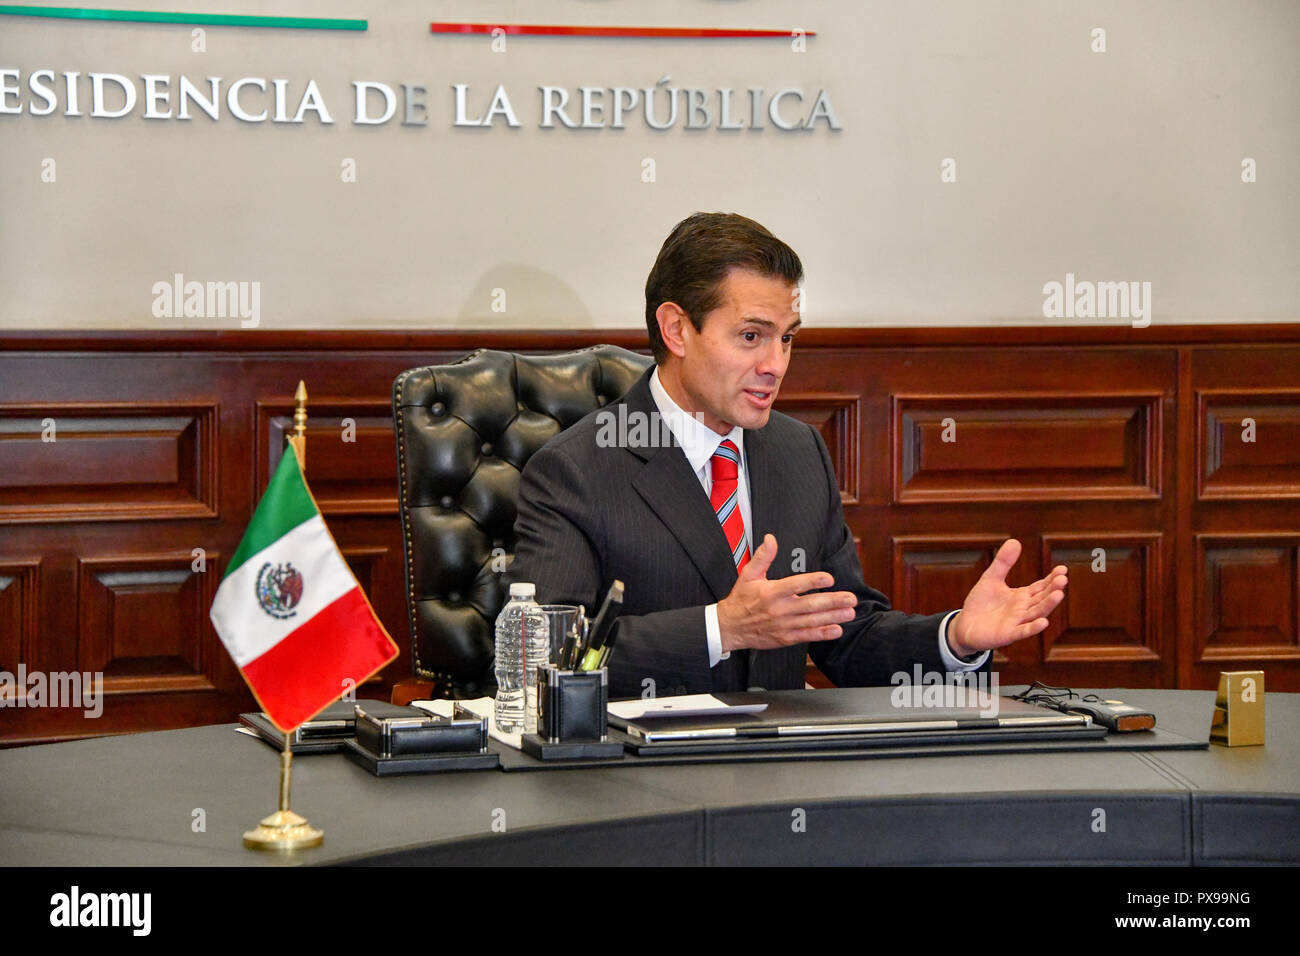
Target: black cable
(1045, 695)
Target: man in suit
(723, 517)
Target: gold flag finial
(299, 436)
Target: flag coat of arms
(290, 611)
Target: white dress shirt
(699, 442)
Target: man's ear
(672, 327)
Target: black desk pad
(876, 748)
(876, 706)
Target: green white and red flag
(290, 611)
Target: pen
(606, 650)
(601, 627)
(572, 643)
(584, 640)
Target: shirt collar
(698, 440)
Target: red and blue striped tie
(725, 499)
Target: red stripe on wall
(305, 672)
(569, 31)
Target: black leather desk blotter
(418, 763)
(875, 749)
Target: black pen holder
(572, 716)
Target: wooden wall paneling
(1242, 518)
(122, 713)
(1077, 438)
(42, 565)
(144, 622)
(457, 342)
(1114, 607)
(351, 456)
(1025, 447)
(19, 612)
(187, 424)
(1248, 443)
(1248, 600)
(1185, 567)
(87, 461)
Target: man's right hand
(764, 614)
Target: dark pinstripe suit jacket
(589, 514)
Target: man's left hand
(995, 615)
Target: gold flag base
(283, 830)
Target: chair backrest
(464, 434)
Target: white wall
(1123, 165)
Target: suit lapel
(764, 482)
(670, 488)
(673, 492)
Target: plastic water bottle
(523, 646)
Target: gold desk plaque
(284, 829)
(1239, 709)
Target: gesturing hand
(764, 614)
(995, 615)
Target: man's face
(734, 364)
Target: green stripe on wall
(206, 19)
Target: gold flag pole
(284, 829)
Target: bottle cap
(523, 590)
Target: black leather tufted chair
(464, 433)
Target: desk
(130, 800)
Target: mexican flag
(289, 610)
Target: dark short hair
(695, 260)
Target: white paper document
(690, 705)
